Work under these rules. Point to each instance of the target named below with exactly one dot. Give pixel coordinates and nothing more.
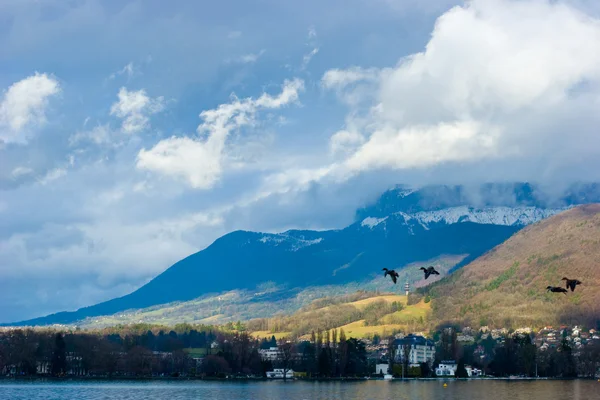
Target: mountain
(507, 286)
(487, 196)
(403, 227)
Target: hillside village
(451, 352)
(477, 346)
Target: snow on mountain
(372, 222)
(295, 243)
(507, 216)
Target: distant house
(381, 369)
(277, 373)
(446, 368)
(473, 372)
(422, 350)
(270, 354)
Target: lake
(302, 390)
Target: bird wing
(394, 278)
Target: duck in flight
(393, 274)
(557, 289)
(571, 283)
(429, 271)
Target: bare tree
(405, 358)
(391, 354)
(285, 356)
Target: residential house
(270, 354)
(446, 368)
(381, 369)
(277, 373)
(473, 372)
(422, 350)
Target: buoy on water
(445, 384)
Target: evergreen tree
(59, 356)
(461, 371)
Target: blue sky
(133, 134)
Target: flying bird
(571, 283)
(429, 271)
(557, 289)
(393, 274)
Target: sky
(135, 133)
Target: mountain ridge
(409, 233)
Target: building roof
(414, 340)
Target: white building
(472, 372)
(422, 350)
(381, 369)
(277, 373)
(446, 368)
(270, 354)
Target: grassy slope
(247, 305)
(506, 286)
(412, 317)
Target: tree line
(204, 351)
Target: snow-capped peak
(490, 215)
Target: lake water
(276, 390)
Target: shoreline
(256, 379)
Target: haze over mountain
(404, 226)
(507, 286)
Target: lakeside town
(189, 352)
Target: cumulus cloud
(345, 141)
(24, 104)
(135, 107)
(495, 81)
(199, 161)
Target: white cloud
(98, 135)
(52, 175)
(423, 146)
(312, 42)
(345, 141)
(20, 171)
(249, 58)
(128, 70)
(199, 162)
(23, 104)
(134, 107)
(307, 57)
(497, 80)
(340, 78)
